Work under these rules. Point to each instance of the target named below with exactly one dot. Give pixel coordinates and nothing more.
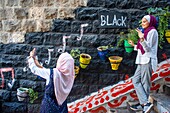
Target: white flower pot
(22, 94)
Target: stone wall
(18, 17)
(96, 76)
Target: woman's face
(145, 23)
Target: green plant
(123, 37)
(131, 35)
(163, 14)
(75, 53)
(32, 95)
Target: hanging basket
(128, 47)
(115, 62)
(167, 35)
(22, 93)
(102, 52)
(84, 60)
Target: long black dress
(49, 103)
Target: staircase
(161, 101)
(117, 98)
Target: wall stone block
(37, 86)
(26, 3)
(61, 26)
(20, 74)
(2, 3)
(5, 95)
(4, 37)
(14, 96)
(11, 25)
(89, 40)
(17, 37)
(53, 39)
(34, 38)
(65, 12)
(86, 13)
(39, 3)
(12, 3)
(44, 25)
(21, 13)
(76, 27)
(7, 13)
(74, 3)
(50, 2)
(15, 107)
(73, 42)
(29, 25)
(33, 108)
(15, 49)
(108, 79)
(36, 13)
(64, 3)
(83, 2)
(79, 89)
(96, 3)
(50, 13)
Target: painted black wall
(97, 75)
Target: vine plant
(162, 14)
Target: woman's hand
(140, 34)
(32, 53)
(131, 42)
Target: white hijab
(63, 77)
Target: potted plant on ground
(102, 52)
(23, 93)
(75, 53)
(84, 60)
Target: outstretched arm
(36, 68)
(32, 54)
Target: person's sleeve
(135, 47)
(151, 40)
(42, 72)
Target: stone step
(166, 89)
(127, 109)
(137, 111)
(119, 110)
(161, 102)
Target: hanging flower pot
(128, 47)
(22, 93)
(167, 35)
(84, 60)
(102, 52)
(76, 69)
(115, 62)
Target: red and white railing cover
(115, 95)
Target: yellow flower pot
(84, 60)
(76, 69)
(167, 35)
(115, 62)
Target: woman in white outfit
(146, 61)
